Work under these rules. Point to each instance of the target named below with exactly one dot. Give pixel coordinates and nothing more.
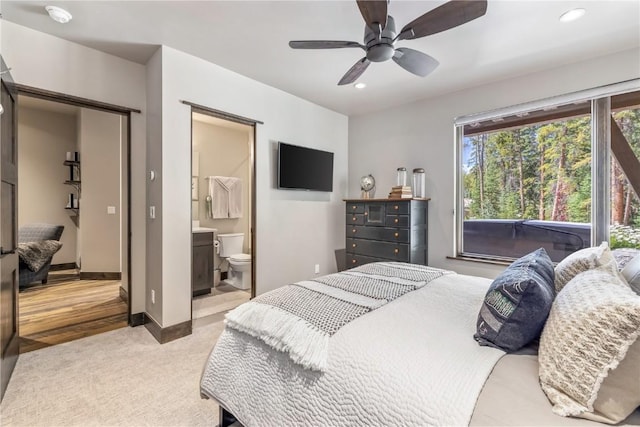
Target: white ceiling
(250, 37)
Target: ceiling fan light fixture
(58, 14)
(572, 15)
(360, 85)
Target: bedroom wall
(420, 134)
(47, 62)
(44, 137)
(295, 230)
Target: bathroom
(221, 193)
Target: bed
(412, 361)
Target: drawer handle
(396, 250)
(354, 218)
(353, 207)
(396, 235)
(395, 207)
(395, 220)
(353, 261)
(354, 230)
(353, 245)
(366, 213)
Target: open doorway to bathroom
(223, 214)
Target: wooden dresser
(386, 230)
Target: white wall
(100, 143)
(47, 62)
(295, 230)
(421, 135)
(44, 137)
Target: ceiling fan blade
(374, 13)
(322, 44)
(354, 72)
(414, 61)
(449, 15)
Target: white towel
(226, 196)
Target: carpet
(119, 378)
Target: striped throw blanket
(299, 319)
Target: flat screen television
(301, 168)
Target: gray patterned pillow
(37, 254)
(593, 324)
(582, 260)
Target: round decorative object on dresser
(367, 185)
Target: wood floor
(67, 309)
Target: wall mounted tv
(301, 168)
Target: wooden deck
(67, 309)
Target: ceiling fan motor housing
(379, 50)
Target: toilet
(239, 272)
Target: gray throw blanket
(36, 254)
(299, 319)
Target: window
(527, 177)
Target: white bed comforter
(412, 362)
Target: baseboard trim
(124, 295)
(99, 275)
(165, 335)
(138, 319)
(65, 266)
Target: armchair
(34, 233)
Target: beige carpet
(119, 378)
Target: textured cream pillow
(594, 321)
(582, 260)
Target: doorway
(72, 163)
(223, 214)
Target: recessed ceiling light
(58, 14)
(572, 15)
(360, 85)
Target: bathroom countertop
(203, 230)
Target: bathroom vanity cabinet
(386, 230)
(202, 263)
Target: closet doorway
(74, 202)
(222, 212)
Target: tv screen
(303, 168)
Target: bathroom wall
(44, 137)
(224, 150)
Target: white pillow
(582, 260)
(631, 272)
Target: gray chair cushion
(517, 303)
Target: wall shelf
(74, 181)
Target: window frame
(600, 100)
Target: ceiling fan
(380, 35)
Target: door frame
(133, 320)
(197, 108)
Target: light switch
(111, 210)
(152, 212)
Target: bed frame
(225, 418)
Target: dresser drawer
(354, 207)
(354, 260)
(202, 239)
(397, 221)
(355, 219)
(375, 248)
(378, 233)
(398, 208)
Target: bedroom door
(9, 347)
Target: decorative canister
(402, 177)
(419, 190)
